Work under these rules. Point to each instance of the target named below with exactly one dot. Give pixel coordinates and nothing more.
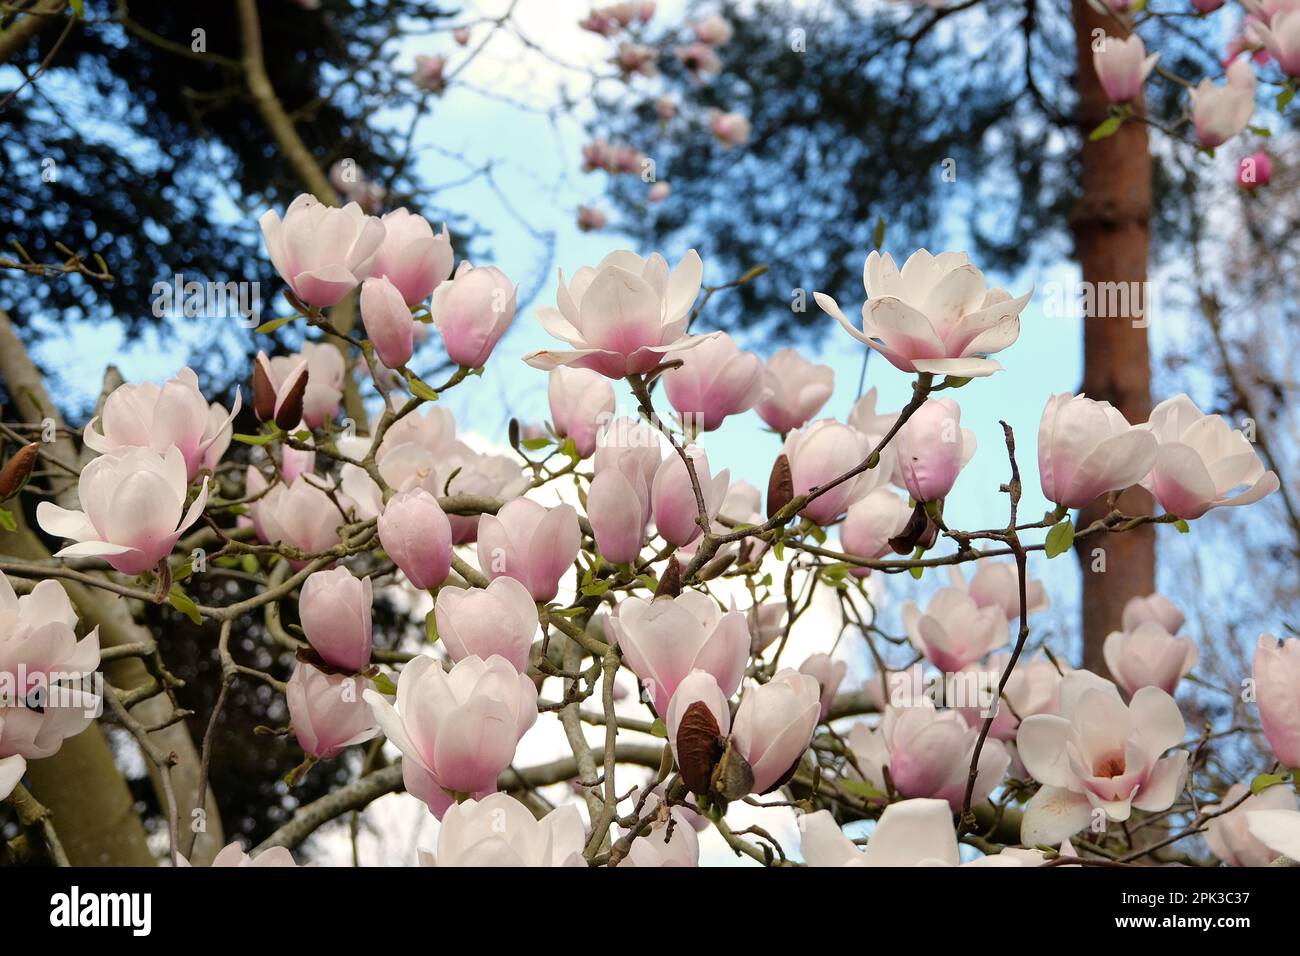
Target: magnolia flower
(1087, 448)
(387, 320)
(935, 315)
(412, 257)
(1255, 170)
(699, 59)
(1282, 39)
(1221, 112)
(1229, 834)
(715, 30)
(1122, 67)
(146, 416)
(278, 394)
(618, 507)
(672, 496)
(1200, 460)
(1149, 656)
(416, 534)
(591, 219)
(729, 129)
(933, 448)
(430, 73)
(1277, 692)
(300, 515)
(766, 623)
(774, 725)
(665, 108)
(869, 524)
(928, 753)
(463, 471)
(38, 638)
(1034, 687)
(659, 191)
(133, 510)
(636, 58)
(715, 380)
(334, 608)
(624, 316)
(498, 830)
(1099, 754)
(327, 711)
(664, 639)
(829, 674)
(432, 430)
(234, 856)
(673, 846)
(697, 720)
(627, 438)
(533, 544)
(954, 631)
(1153, 607)
(581, 401)
(456, 730)
(997, 584)
(1279, 830)
(822, 452)
(11, 769)
(917, 832)
(796, 390)
(500, 619)
(321, 251)
(472, 312)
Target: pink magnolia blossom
(146, 416)
(591, 219)
(387, 320)
(533, 544)
(672, 496)
(334, 608)
(325, 372)
(716, 379)
(618, 507)
(581, 401)
(623, 317)
(416, 533)
(1282, 39)
(1255, 170)
(1153, 607)
(300, 515)
(1087, 448)
(1149, 656)
(869, 524)
(934, 315)
(715, 30)
(933, 448)
(699, 59)
(327, 711)
(829, 674)
(1034, 687)
(774, 725)
(1277, 693)
(498, 831)
(472, 312)
(729, 129)
(322, 252)
(822, 452)
(636, 58)
(629, 438)
(1123, 66)
(38, 637)
(133, 509)
(954, 632)
(1099, 754)
(796, 390)
(430, 73)
(1229, 834)
(996, 584)
(664, 639)
(500, 619)
(1221, 112)
(456, 730)
(696, 687)
(412, 256)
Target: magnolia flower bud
(1087, 448)
(953, 633)
(1277, 692)
(1153, 607)
(530, 543)
(698, 721)
(821, 453)
(472, 312)
(276, 398)
(870, 524)
(334, 608)
(715, 380)
(327, 711)
(933, 448)
(416, 533)
(17, 470)
(412, 257)
(672, 495)
(500, 619)
(796, 390)
(774, 725)
(1122, 67)
(618, 507)
(388, 321)
(581, 401)
(1149, 656)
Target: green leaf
(431, 627)
(384, 684)
(880, 231)
(955, 381)
(1182, 526)
(79, 8)
(659, 728)
(916, 572)
(860, 788)
(268, 327)
(1108, 127)
(1266, 780)
(7, 520)
(535, 444)
(1261, 131)
(420, 390)
(1285, 97)
(249, 563)
(178, 599)
(1060, 538)
(570, 449)
(253, 439)
(596, 589)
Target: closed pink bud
(774, 725)
(412, 256)
(829, 674)
(581, 402)
(715, 380)
(327, 711)
(822, 452)
(1087, 448)
(1255, 170)
(460, 35)
(629, 438)
(618, 507)
(666, 638)
(300, 515)
(933, 448)
(1277, 691)
(334, 608)
(533, 544)
(871, 521)
(796, 390)
(322, 252)
(1153, 607)
(456, 730)
(472, 312)
(730, 129)
(1149, 656)
(591, 219)
(715, 30)
(676, 509)
(416, 533)
(430, 73)
(1122, 66)
(388, 321)
(479, 622)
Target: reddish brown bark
(1111, 226)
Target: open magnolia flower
(322, 252)
(1099, 755)
(498, 830)
(1149, 656)
(623, 317)
(934, 315)
(133, 509)
(954, 632)
(1087, 448)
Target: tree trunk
(1111, 226)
